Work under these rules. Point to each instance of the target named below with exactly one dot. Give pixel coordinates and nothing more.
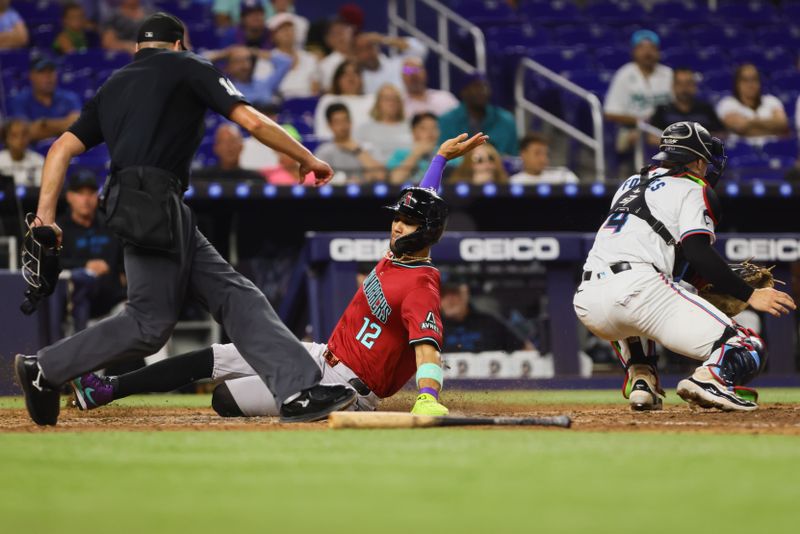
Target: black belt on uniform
(356, 383)
(615, 268)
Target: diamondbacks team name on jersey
(375, 297)
(430, 323)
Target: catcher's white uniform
(643, 302)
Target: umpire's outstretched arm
(271, 134)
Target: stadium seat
(188, 11)
(560, 59)
(746, 12)
(723, 36)
(616, 13)
(680, 10)
(485, 12)
(551, 12)
(612, 58)
(296, 107)
(503, 39)
(592, 80)
(15, 59)
(786, 148)
(43, 35)
(38, 11)
(765, 59)
(592, 36)
(718, 81)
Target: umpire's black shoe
(42, 401)
(317, 403)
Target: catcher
(660, 229)
(390, 330)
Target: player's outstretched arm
(430, 378)
(458, 146)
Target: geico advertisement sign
(780, 249)
(343, 249)
(514, 249)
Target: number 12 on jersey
(368, 333)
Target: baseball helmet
(429, 210)
(684, 142)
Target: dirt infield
(776, 418)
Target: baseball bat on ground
(407, 420)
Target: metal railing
(10, 242)
(407, 22)
(524, 105)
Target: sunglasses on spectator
(411, 69)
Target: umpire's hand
(322, 171)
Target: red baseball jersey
(395, 308)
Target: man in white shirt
(535, 154)
(302, 79)
(638, 87)
(419, 98)
(378, 69)
(17, 160)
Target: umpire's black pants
(158, 285)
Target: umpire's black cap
(161, 27)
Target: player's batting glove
(428, 405)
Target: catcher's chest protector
(634, 203)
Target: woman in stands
(386, 130)
(750, 115)
(483, 166)
(348, 89)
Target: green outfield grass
(429, 481)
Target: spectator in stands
(13, 32)
(303, 78)
(17, 159)
(287, 171)
(91, 253)
(228, 13)
(120, 28)
(73, 37)
(339, 39)
(410, 164)
(351, 161)
(387, 129)
(754, 117)
(285, 8)
(239, 68)
(228, 147)
(685, 106)
(420, 98)
(377, 69)
(49, 109)
(481, 166)
(475, 114)
(252, 29)
(637, 88)
(348, 89)
(468, 330)
(535, 152)
(256, 156)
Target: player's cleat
(92, 391)
(705, 390)
(41, 400)
(316, 403)
(642, 389)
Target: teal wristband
(432, 371)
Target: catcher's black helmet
(684, 142)
(429, 210)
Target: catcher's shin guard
(719, 382)
(641, 386)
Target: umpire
(150, 115)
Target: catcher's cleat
(316, 403)
(41, 400)
(642, 388)
(92, 391)
(705, 390)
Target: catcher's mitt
(754, 275)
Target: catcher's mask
(427, 209)
(684, 142)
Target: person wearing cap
(17, 159)
(120, 27)
(637, 88)
(13, 32)
(49, 109)
(377, 68)
(150, 114)
(475, 114)
(91, 252)
(301, 24)
(303, 78)
(252, 29)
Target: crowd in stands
(359, 98)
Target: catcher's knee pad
(738, 357)
(223, 403)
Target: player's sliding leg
(689, 325)
(641, 387)
(92, 390)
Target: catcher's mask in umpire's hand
(684, 142)
(426, 208)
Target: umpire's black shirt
(150, 113)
